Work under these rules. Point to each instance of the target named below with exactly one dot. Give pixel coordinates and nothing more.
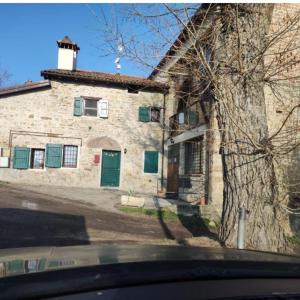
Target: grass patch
(294, 240)
(164, 214)
(3, 182)
(194, 221)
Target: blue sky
(29, 33)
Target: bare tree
(4, 75)
(246, 62)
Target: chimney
(67, 54)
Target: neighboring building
(194, 162)
(83, 128)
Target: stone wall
(36, 118)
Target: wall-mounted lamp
(125, 150)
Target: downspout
(163, 144)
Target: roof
(27, 86)
(183, 36)
(67, 41)
(106, 78)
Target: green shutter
(77, 106)
(53, 155)
(151, 162)
(144, 114)
(21, 158)
(193, 118)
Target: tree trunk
(249, 176)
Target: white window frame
(30, 159)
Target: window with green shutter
(21, 158)
(144, 114)
(151, 162)
(53, 155)
(77, 106)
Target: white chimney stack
(67, 54)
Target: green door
(110, 174)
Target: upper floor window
(149, 114)
(132, 90)
(90, 107)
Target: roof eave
(157, 87)
(25, 88)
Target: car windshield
(160, 125)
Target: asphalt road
(33, 219)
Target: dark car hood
(28, 260)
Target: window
(149, 114)
(151, 162)
(37, 158)
(155, 114)
(193, 156)
(90, 107)
(132, 90)
(70, 156)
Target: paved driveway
(104, 199)
(29, 218)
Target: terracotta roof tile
(27, 86)
(90, 76)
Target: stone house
(138, 134)
(83, 128)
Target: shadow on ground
(30, 228)
(190, 217)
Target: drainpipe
(163, 143)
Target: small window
(37, 159)
(70, 156)
(193, 156)
(90, 107)
(155, 114)
(132, 90)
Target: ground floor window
(37, 158)
(70, 156)
(193, 156)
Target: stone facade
(35, 118)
